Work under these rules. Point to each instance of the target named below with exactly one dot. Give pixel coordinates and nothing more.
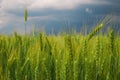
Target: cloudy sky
(55, 14)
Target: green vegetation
(25, 17)
(61, 57)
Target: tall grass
(25, 17)
(62, 57)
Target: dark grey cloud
(112, 2)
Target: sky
(55, 14)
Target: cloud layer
(11, 11)
(57, 4)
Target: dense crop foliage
(62, 57)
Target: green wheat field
(61, 57)
(94, 56)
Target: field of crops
(61, 57)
